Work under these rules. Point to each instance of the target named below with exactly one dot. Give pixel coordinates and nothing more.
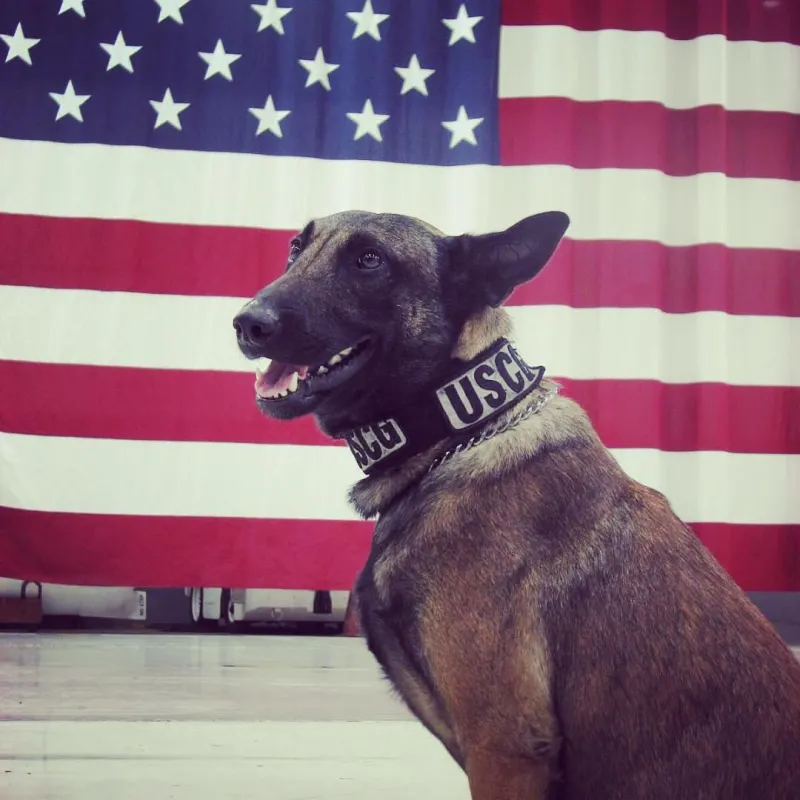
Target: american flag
(156, 157)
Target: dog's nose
(255, 326)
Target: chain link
(490, 432)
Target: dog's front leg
(493, 776)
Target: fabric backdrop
(157, 155)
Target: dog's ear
(485, 269)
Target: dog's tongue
(278, 378)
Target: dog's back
(561, 609)
(668, 681)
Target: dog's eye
(370, 259)
(294, 249)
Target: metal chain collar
(490, 432)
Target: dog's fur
(549, 619)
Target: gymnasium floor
(167, 717)
(150, 716)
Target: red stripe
(147, 404)
(686, 417)
(741, 144)
(756, 20)
(760, 558)
(150, 258)
(52, 400)
(102, 550)
(128, 256)
(89, 549)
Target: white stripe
(107, 476)
(55, 179)
(646, 66)
(195, 333)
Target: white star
(414, 76)
(462, 128)
(69, 103)
(368, 122)
(318, 70)
(119, 53)
(269, 118)
(271, 15)
(171, 9)
(168, 111)
(219, 62)
(367, 21)
(73, 5)
(18, 46)
(462, 26)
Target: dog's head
(371, 306)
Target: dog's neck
(471, 396)
(398, 452)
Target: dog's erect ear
(488, 267)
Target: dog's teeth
(322, 370)
(293, 382)
(284, 393)
(335, 360)
(346, 352)
(262, 365)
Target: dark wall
(171, 607)
(782, 609)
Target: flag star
(462, 26)
(219, 62)
(318, 70)
(367, 21)
(368, 122)
(171, 9)
(414, 76)
(269, 118)
(18, 46)
(119, 53)
(73, 5)
(271, 15)
(168, 111)
(462, 128)
(69, 103)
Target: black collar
(476, 394)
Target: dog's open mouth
(280, 380)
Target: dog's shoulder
(526, 480)
(467, 538)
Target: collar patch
(486, 386)
(495, 383)
(371, 444)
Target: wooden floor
(166, 717)
(152, 717)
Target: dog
(550, 620)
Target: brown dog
(549, 619)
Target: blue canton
(399, 91)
